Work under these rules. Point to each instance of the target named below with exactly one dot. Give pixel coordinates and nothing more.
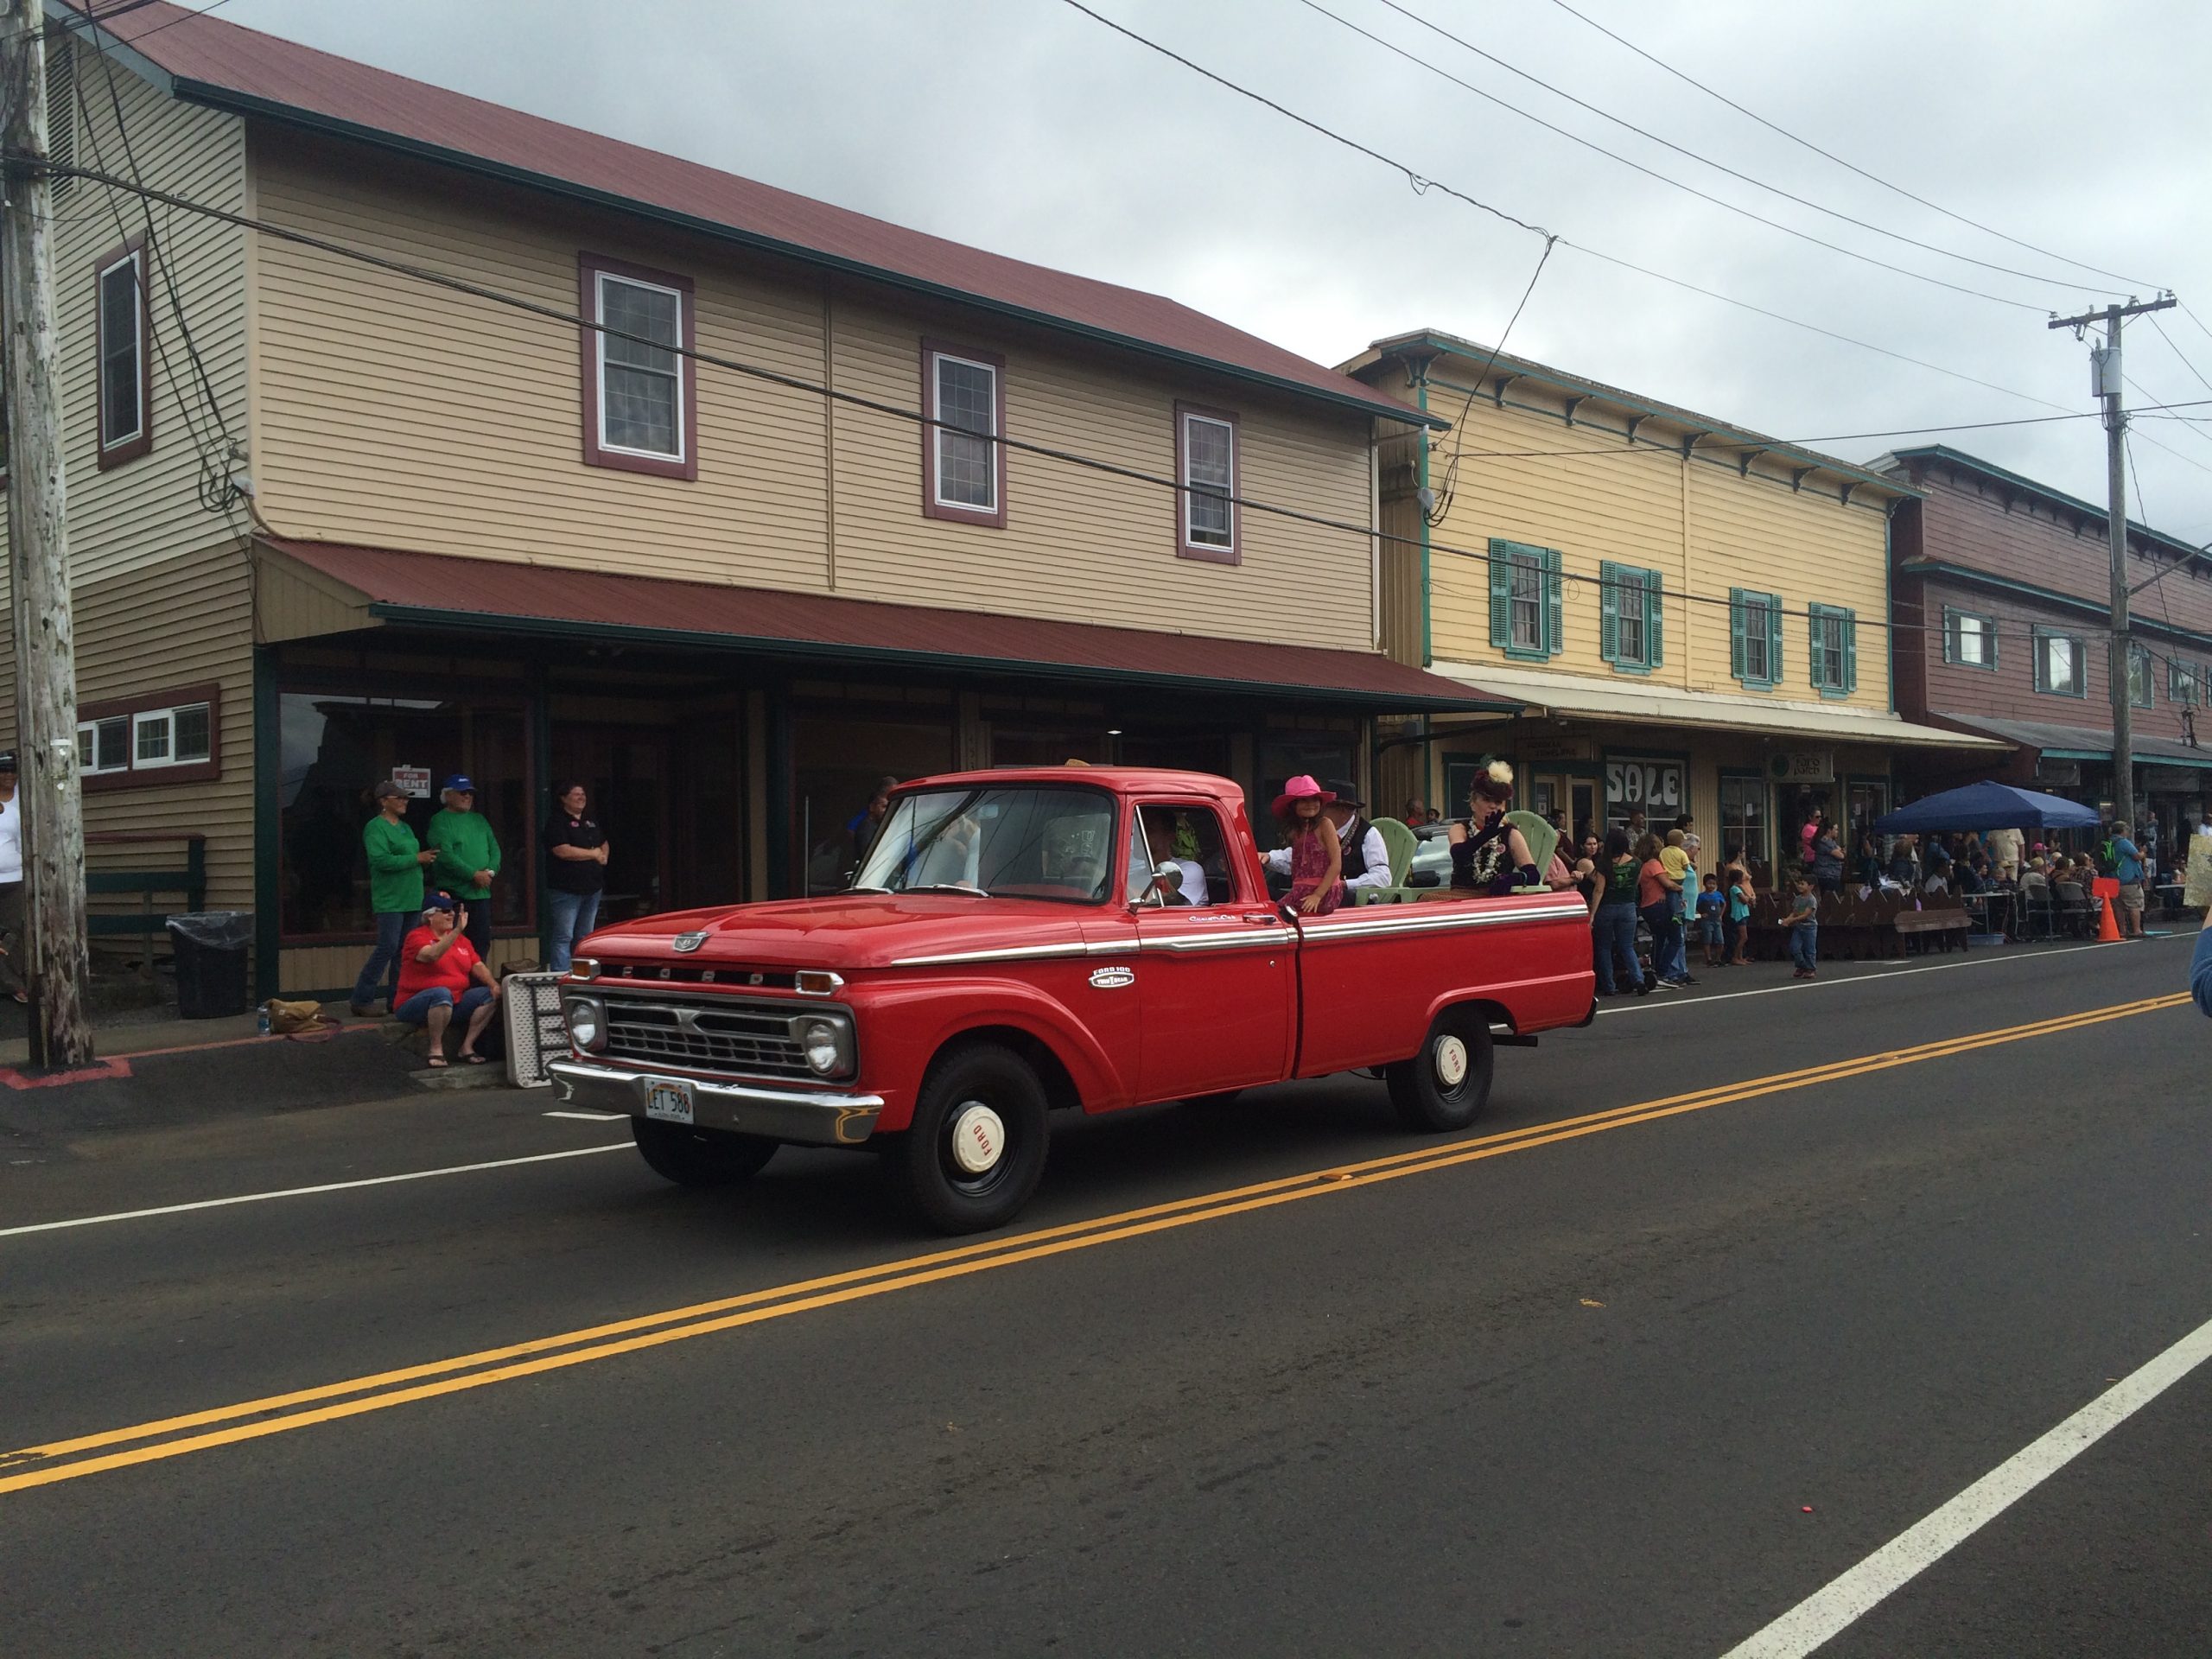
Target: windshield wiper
(857, 887)
(949, 887)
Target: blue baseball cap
(461, 783)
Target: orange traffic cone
(2108, 917)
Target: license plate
(668, 1099)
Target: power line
(789, 382)
(1436, 515)
(1681, 149)
(1422, 184)
(1848, 166)
(2153, 318)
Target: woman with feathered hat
(1490, 855)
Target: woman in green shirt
(1613, 927)
(396, 861)
(467, 858)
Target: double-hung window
(963, 464)
(2059, 665)
(640, 396)
(1833, 646)
(2184, 683)
(1969, 640)
(104, 745)
(123, 323)
(1525, 599)
(2138, 676)
(1205, 468)
(1629, 621)
(1754, 637)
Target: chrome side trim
(1017, 953)
(1331, 932)
(1250, 940)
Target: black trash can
(211, 954)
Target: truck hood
(843, 930)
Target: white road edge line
(590, 1117)
(1852, 979)
(307, 1191)
(1829, 1611)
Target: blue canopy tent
(1986, 806)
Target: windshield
(1016, 842)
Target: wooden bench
(1882, 924)
(189, 882)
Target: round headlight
(818, 1041)
(586, 1023)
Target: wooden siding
(1403, 525)
(147, 511)
(393, 413)
(1704, 527)
(329, 970)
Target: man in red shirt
(440, 975)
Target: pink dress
(1309, 862)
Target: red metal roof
(439, 590)
(215, 63)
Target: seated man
(1182, 881)
(440, 974)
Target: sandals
(438, 1062)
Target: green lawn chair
(1543, 841)
(1401, 843)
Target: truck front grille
(750, 1038)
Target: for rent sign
(1657, 787)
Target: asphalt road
(1273, 1378)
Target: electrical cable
(1652, 173)
(1422, 185)
(789, 382)
(1434, 515)
(1848, 166)
(1681, 149)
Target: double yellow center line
(200, 1431)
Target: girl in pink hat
(1317, 857)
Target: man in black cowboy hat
(1367, 860)
(11, 881)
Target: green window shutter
(1811, 647)
(1554, 602)
(1655, 655)
(1949, 655)
(1501, 595)
(1850, 652)
(1736, 633)
(1774, 639)
(1609, 613)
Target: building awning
(313, 589)
(1580, 696)
(2078, 742)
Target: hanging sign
(1655, 785)
(1802, 767)
(415, 780)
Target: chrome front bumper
(807, 1117)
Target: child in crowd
(1739, 915)
(1711, 905)
(1804, 929)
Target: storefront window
(1742, 817)
(838, 762)
(1657, 788)
(335, 749)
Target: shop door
(627, 771)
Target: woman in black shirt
(575, 873)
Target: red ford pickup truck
(1021, 943)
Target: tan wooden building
(911, 505)
(1695, 616)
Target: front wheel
(975, 1149)
(692, 1157)
(1446, 1085)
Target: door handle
(1261, 921)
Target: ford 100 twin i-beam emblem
(686, 943)
(1112, 979)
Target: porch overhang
(340, 589)
(2055, 743)
(1579, 696)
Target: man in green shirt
(467, 857)
(396, 861)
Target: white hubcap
(979, 1137)
(1451, 1062)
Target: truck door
(1215, 962)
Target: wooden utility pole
(2105, 379)
(53, 949)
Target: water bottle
(263, 1021)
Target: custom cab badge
(686, 943)
(1113, 979)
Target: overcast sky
(1024, 127)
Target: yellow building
(1694, 616)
